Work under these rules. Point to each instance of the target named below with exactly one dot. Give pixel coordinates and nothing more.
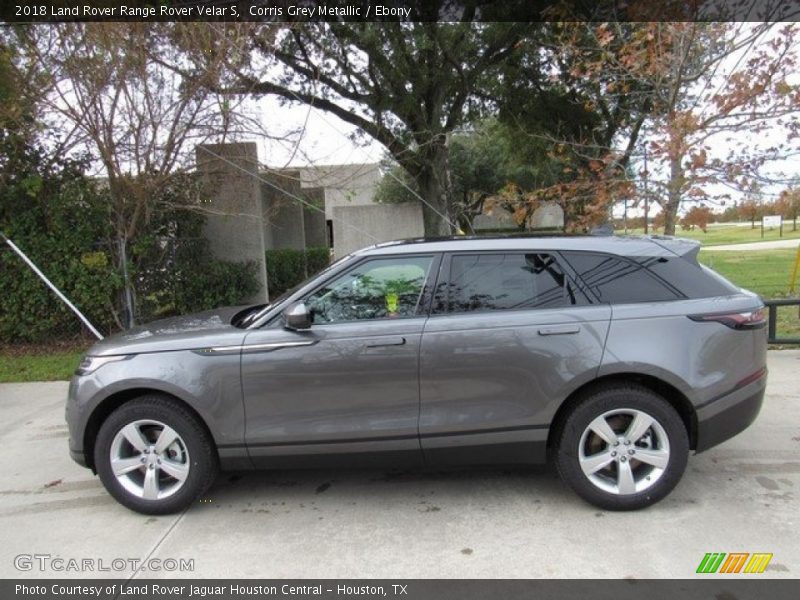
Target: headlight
(90, 364)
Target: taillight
(753, 319)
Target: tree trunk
(673, 203)
(434, 183)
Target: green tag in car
(392, 301)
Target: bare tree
(137, 119)
(688, 89)
(715, 85)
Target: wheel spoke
(640, 424)
(657, 458)
(134, 436)
(601, 427)
(595, 462)
(625, 482)
(150, 488)
(121, 466)
(165, 439)
(174, 469)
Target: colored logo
(735, 562)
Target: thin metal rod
(56, 291)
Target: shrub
(62, 220)
(55, 215)
(287, 267)
(215, 283)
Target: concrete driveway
(501, 522)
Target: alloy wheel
(149, 459)
(624, 451)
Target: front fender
(209, 384)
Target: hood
(189, 332)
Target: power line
(389, 173)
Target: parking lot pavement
(503, 522)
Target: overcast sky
(324, 138)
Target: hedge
(62, 220)
(287, 267)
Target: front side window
(381, 288)
(481, 282)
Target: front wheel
(154, 456)
(622, 448)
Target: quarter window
(481, 282)
(386, 288)
(617, 280)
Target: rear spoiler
(687, 249)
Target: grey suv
(613, 356)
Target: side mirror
(297, 317)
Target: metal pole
(49, 284)
(795, 271)
(625, 215)
(646, 227)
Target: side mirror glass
(297, 317)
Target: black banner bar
(299, 11)
(743, 587)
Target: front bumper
(78, 456)
(724, 417)
(75, 424)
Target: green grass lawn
(728, 234)
(38, 364)
(765, 272)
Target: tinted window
(383, 288)
(507, 282)
(617, 280)
(690, 278)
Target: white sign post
(770, 222)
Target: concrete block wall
(288, 222)
(383, 222)
(249, 216)
(234, 227)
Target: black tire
(606, 400)
(201, 459)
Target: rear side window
(692, 279)
(617, 280)
(514, 281)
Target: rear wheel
(153, 455)
(622, 448)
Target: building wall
(343, 185)
(355, 227)
(234, 228)
(285, 218)
(316, 229)
(255, 209)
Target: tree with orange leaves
(688, 89)
(711, 82)
(697, 216)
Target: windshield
(257, 312)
